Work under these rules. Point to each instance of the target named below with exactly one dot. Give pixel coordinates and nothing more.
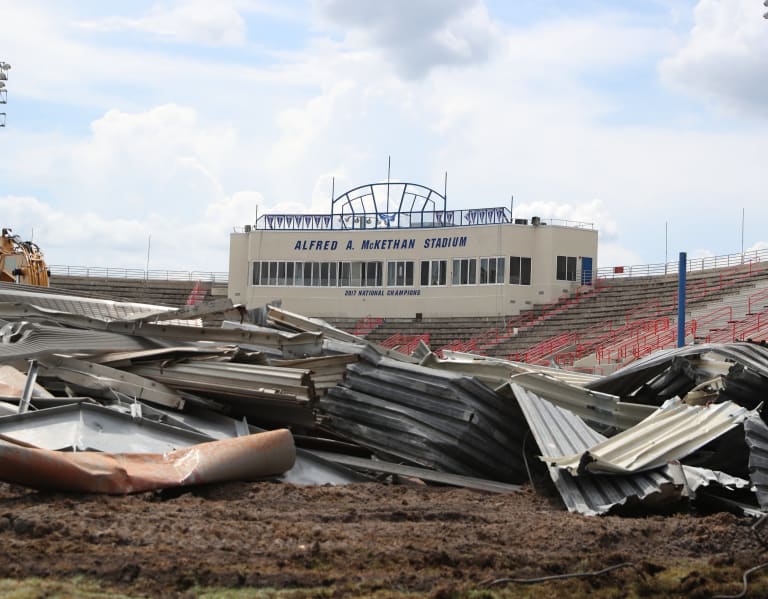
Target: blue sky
(180, 119)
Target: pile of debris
(116, 397)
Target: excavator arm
(21, 261)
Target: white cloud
(416, 36)
(163, 160)
(613, 254)
(191, 21)
(302, 127)
(725, 57)
(184, 146)
(592, 213)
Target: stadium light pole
(4, 68)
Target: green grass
(38, 588)
(692, 580)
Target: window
(433, 272)
(566, 268)
(464, 271)
(492, 271)
(400, 274)
(371, 274)
(361, 274)
(315, 274)
(519, 270)
(272, 273)
(344, 274)
(301, 274)
(298, 274)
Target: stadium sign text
(408, 243)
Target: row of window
(400, 273)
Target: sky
(142, 134)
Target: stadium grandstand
(477, 281)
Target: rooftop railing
(694, 264)
(136, 273)
(423, 219)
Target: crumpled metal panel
(302, 323)
(499, 369)
(25, 340)
(99, 309)
(756, 433)
(672, 432)
(325, 371)
(630, 378)
(231, 379)
(267, 395)
(92, 427)
(435, 419)
(593, 406)
(253, 457)
(106, 380)
(560, 432)
(693, 479)
(443, 478)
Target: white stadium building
(395, 250)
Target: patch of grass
(684, 580)
(36, 588)
(315, 593)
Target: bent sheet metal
(248, 458)
(671, 433)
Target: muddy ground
(367, 539)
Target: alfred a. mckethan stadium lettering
(381, 244)
(409, 244)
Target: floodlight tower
(4, 68)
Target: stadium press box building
(394, 250)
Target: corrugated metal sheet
(231, 379)
(591, 405)
(672, 432)
(443, 478)
(26, 340)
(325, 371)
(632, 377)
(503, 369)
(270, 396)
(756, 433)
(431, 418)
(99, 379)
(99, 309)
(92, 427)
(560, 432)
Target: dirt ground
(366, 539)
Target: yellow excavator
(21, 261)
